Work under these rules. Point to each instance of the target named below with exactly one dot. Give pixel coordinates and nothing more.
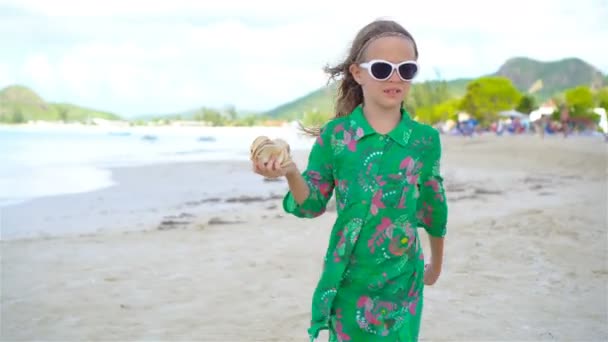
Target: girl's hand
(431, 274)
(273, 169)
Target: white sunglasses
(382, 70)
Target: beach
(201, 250)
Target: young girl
(384, 169)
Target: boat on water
(149, 137)
(206, 139)
(119, 134)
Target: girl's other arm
(433, 270)
(432, 207)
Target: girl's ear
(355, 70)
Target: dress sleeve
(432, 210)
(319, 177)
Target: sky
(135, 57)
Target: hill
(321, 100)
(198, 114)
(554, 76)
(21, 104)
(550, 79)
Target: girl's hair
(350, 94)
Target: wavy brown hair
(350, 94)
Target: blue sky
(136, 57)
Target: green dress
(386, 186)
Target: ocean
(39, 161)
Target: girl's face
(386, 93)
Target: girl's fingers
(270, 166)
(271, 169)
(261, 167)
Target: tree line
(485, 97)
(431, 102)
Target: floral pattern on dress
(386, 187)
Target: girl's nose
(394, 76)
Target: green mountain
(549, 79)
(20, 104)
(321, 100)
(198, 114)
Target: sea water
(38, 161)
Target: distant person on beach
(540, 126)
(565, 120)
(385, 170)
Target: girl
(384, 169)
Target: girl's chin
(387, 103)
(390, 103)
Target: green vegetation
(486, 96)
(430, 102)
(315, 118)
(601, 98)
(207, 116)
(580, 100)
(530, 83)
(555, 76)
(527, 104)
(443, 111)
(19, 104)
(427, 94)
(321, 100)
(520, 83)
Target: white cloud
(264, 8)
(141, 57)
(39, 70)
(6, 77)
(105, 71)
(77, 75)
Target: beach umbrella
(603, 118)
(463, 116)
(540, 112)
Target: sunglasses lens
(381, 70)
(408, 71)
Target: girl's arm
(297, 185)
(310, 190)
(436, 252)
(432, 206)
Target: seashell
(257, 142)
(257, 145)
(283, 144)
(263, 149)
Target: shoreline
(46, 163)
(147, 194)
(134, 202)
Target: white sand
(526, 259)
